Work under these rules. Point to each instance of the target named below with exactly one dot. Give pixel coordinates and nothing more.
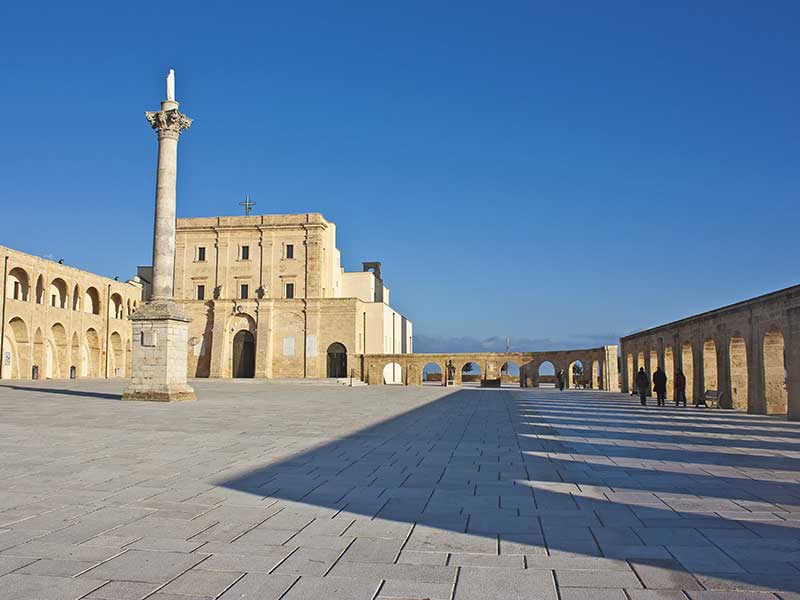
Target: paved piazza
(265, 491)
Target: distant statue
(451, 371)
(171, 85)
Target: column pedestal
(160, 342)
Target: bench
(711, 399)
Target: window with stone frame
(244, 291)
(289, 290)
(245, 253)
(201, 254)
(289, 250)
(201, 292)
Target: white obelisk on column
(160, 327)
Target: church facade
(268, 298)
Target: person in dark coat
(660, 386)
(561, 380)
(680, 388)
(643, 385)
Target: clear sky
(550, 171)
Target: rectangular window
(201, 292)
(245, 252)
(53, 300)
(289, 250)
(290, 290)
(17, 290)
(201, 253)
(244, 290)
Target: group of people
(642, 381)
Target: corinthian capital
(168, 123)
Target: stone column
(160, 327)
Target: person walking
(643, 385)
(660, 386)
(680, 388)
(561, 380)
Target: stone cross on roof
(248, 206)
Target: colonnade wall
(747, 352)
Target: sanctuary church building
(268, 298)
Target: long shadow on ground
(507, 467)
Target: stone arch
(472, 373)
(38, 353)
(545, 373)
(117, 358)
(76, 355)
(94, 353)
(116, 307)
(392, 374)
(60, 351)
(575, 373)
(336, 360)
(710, 374)
(687, 362)
(57, 295)
(40, 290)
(669, 370)
(737, 360)
(236, 324)
(91, 301)
(17, 347)
(640, 361)
(76, 298)
(434, 376)
(18, 286)
(510, 373)
(774, 369)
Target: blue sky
(559, 174)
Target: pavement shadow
(505, 467)
(65, 392)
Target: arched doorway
(337, 360)
(509, 374)
(244, 355)
(775, 393)
(432, 374)
(393, 374)
(575, 375)
(546, 375)
(738, 367)
(471, 374)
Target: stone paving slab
(279, 491)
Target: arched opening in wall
(91, 301)
(640, 361)
(393, 374)
(737, 351)
(76, 298)
(575, 375)
(669, 370)
(244, 355)
(16, 355)
(38, 364)
(40, 290)
(509, 374)
(57, 293)
(49, 359)
(546, 375)
(18, 285)
(337, 360)
(94, 354)
(76, 356)
(653, 363)
(597, 375)
(117, 356)
(631, 372)
(59, 338)
(115, 308)
(471, 374)
(710, 378)
(775, 393)
(687, 360)
(432, 374)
